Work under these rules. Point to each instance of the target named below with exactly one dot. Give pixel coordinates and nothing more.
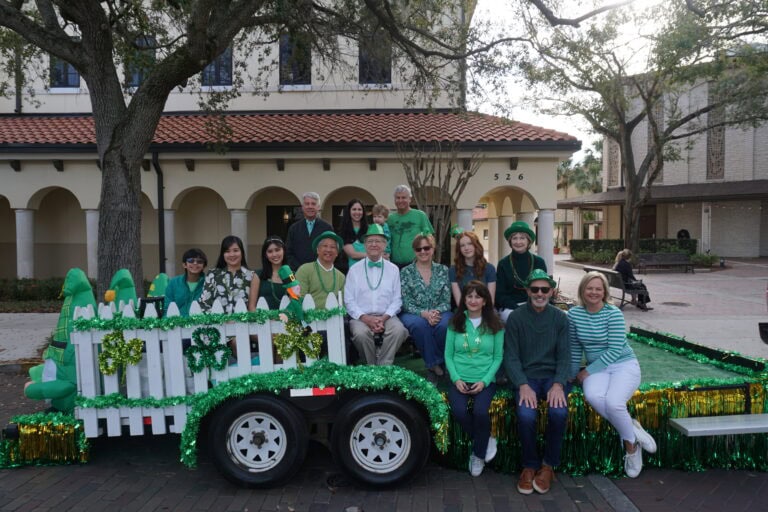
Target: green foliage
(604, 251)
(32, 289)
(704, 260)
(594, 257)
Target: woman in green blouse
(426, 311)
(473, 353)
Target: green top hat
(375, 229)
(539, 275)
(327, 234)
(519, 227)
(286, 274)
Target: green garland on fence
(118, 400)
(260, 316)
(207, 350)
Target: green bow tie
(375, 264)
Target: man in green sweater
(536, 359)
(320, 278)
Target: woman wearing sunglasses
(426, 304)
(186, 288)
(266, 282)
(597, 331)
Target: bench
(664, 260)
(721, 425)
(615, 281)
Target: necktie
(375, 264)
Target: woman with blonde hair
(624, 267)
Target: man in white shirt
(373, 300)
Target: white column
(705, 243)
(170, 242)
(25, 243)
(92, 242)
(503, 245)
(578, 224)
(464, 219)
(493, 240)
(240, 225)
(545, 237)
(527, 217)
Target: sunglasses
(198, 261)
(423, 248)
(542, 289)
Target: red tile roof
(293, 128)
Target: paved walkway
(720, 309)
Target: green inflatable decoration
(121, 289)
(56, 378)
(158, 286)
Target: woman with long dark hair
(266, 282)
(474, 348)
(230, 281)
(354, 226)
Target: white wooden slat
(264, 333)
(154, 376)
(307, 304)
(175, 375)
(242, 342)
(337, 350)
(111, 414)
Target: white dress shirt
(360, 297)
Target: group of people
(503, 322)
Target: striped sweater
(600, 337)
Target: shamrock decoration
(207, 350)
(117, 352)
(298, 338)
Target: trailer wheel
(258, 441)
(380, 440)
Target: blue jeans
(527, 423)
(430, 340)
(476, 424)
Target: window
(219, 72)
(375, 58)
(63, 74)
(140, 62)
(295, 60)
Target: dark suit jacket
(299, 243)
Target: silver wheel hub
(256, 441)
(380, 442)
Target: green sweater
(510, 282)
(318, 282)
(464, 363)
(536, 345)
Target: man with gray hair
(298, 246)
(404, 225)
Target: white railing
(164, 372)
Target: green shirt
(470, 361)
(319, 282)
(419, 296)
(404, 229)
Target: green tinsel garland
(117, 353)
(49, 424)
(117, 400)
(260, 316)
(202, 354)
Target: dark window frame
(374, 59)
(63, 75)
(295, 66)
(135, 74)
(218, 73)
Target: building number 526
(506, 176)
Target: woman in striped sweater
(597, 331)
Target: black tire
(380, 440)
(277, 447)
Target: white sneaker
(476, 465)
(490, 452)
(633, 462)
(645, 439)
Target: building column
(25, 243)
(240, 225)
(503, 246)
(705, 244)
(464, 219)
(527, 217)
(493, 240)
(170, 242)
(578, 224)
(545, 237)
(92, 242)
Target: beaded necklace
(320, 278)
(516, 277)
(471, 333)
(381, 276)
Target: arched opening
(7, 240)
(60, 236)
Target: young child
(380, 213)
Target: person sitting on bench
(631, 284)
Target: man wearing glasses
(373, 299)
(536, 359)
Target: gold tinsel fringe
(49, 443)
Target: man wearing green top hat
(513, 270)
(373, 299)
(320, 278)
(536, 359)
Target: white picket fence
(163, 371)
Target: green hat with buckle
(376, 230)
(286, 274)
(539, 275)
(519, 227)
(324, 235)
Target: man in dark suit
(302, 232)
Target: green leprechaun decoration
(299, 336)
(56, 378)
(121, 289)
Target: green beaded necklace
(320, 278)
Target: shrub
(704, 260)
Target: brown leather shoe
(543, 479)
(525, 484)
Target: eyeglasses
(423, 248)
(197, 261)
(542, 289)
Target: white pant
(608, 392)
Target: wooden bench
(721, 425)
(615, 281)
(664, 260)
